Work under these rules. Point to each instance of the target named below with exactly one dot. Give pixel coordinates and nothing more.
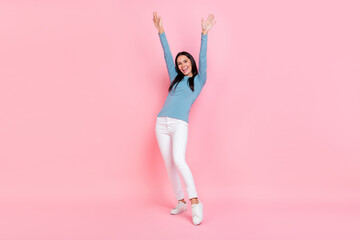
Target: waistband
(170, 119)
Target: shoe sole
(177, 213)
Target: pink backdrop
(81, 83)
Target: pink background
(274, 137)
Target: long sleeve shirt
(179, 101)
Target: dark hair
(180, 75)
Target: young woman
(171, 128)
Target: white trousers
(171, 135)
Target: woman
(171, 128)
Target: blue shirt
(179, 101)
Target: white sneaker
(179, 208)
(197, 213)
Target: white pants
(171, 135)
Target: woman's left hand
(208, 24)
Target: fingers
(209, 18)
(155, 16)
(209, 23)
(156, 19)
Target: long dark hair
(180, 75)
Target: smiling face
(184, 65)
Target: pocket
(186, 123)
(179, 121)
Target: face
(184, 65)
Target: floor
(127, 218)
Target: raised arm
(203, 59)
(206, 26)
(165, 45)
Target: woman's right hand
(158, 23)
